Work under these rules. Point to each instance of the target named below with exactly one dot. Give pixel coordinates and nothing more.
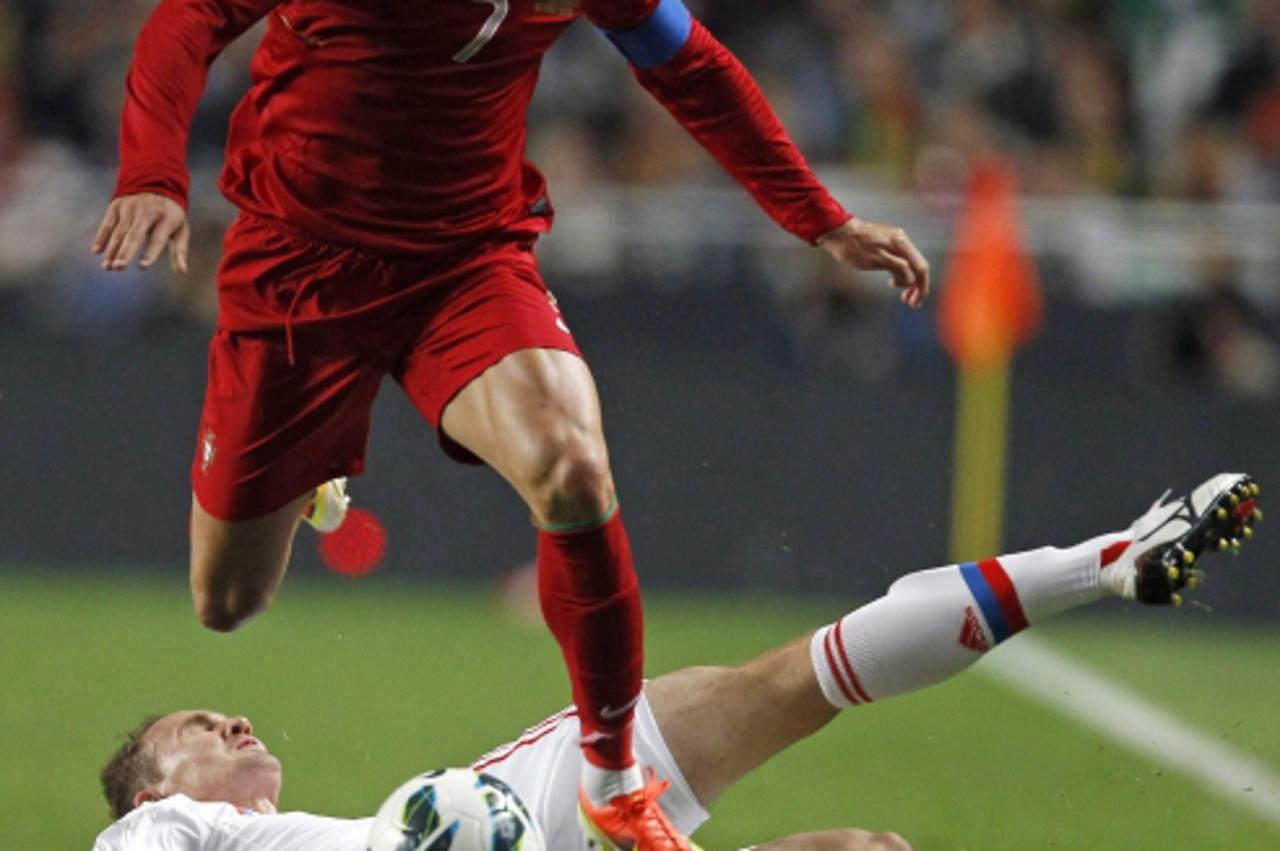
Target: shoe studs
(1234, 518)
(1228, 522)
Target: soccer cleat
(633, 821)
(328, 506)
(1172, 535)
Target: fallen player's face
(212, 757)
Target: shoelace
(643, 805)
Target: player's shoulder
(619, 14)
(175, 823)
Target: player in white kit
(201, 781)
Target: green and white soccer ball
(455, 809)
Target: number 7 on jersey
(487, 31)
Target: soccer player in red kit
(387, 224)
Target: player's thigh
(690, 709)
(722, 723)
(499, 375)
(519, 413)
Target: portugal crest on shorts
(208, 449)
(555, 308)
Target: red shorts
(306, 333)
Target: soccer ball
(455, 809)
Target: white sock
(935, 623)
(604, 784)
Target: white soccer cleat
(1171, 536)
(328, 507)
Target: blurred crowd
(1138, 97)
(1165, 99)
(1168, 98)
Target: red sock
(591, 600)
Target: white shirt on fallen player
(542, 766)
(177, 823)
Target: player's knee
(577, 485)
(225, 610)
(216, 618)
(218, 615)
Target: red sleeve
(619, 14)
(166, 79)
(716, 100)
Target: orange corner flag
(990, 303)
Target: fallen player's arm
(166, 79)
(704, 86)
(849, 839)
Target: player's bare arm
(146, 222)
(874, 247)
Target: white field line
(1031, 667)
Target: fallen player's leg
(721, 723)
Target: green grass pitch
(358, 685)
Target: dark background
(746, 456)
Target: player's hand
(873, 247)
(887, 842)
(144, 222)
(861, 840)
(845, 839)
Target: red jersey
(399, 125)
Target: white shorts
(544, 766)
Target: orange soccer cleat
(632, 821)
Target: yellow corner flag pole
(989, 305)
(978, 475)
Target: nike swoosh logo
(608, 713)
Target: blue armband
(658, 39)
